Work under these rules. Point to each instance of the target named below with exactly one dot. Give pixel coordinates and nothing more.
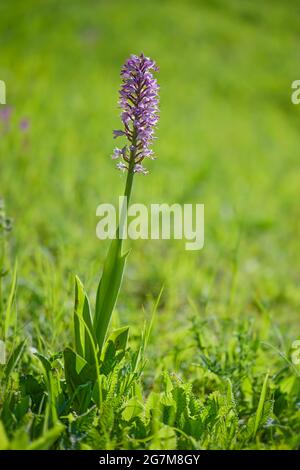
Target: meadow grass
(208, 359)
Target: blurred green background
(228, 137)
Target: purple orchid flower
(139, 104)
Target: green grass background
(228, 137)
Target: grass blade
(260, 407)
(14, 358)
(8, 312)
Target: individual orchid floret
(118, 133)
(121, 166)
(138, 168)
(119, 153)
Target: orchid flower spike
(139, 104)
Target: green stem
(129, 182)
(130, 174)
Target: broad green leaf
(78, 367)
(80, 378)
(45, 362)
(119, 337)
(114, 350)
(109, 358)
(168, 385)
(108, 290)
(132, 409)
(153, 402)
(83, 327)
